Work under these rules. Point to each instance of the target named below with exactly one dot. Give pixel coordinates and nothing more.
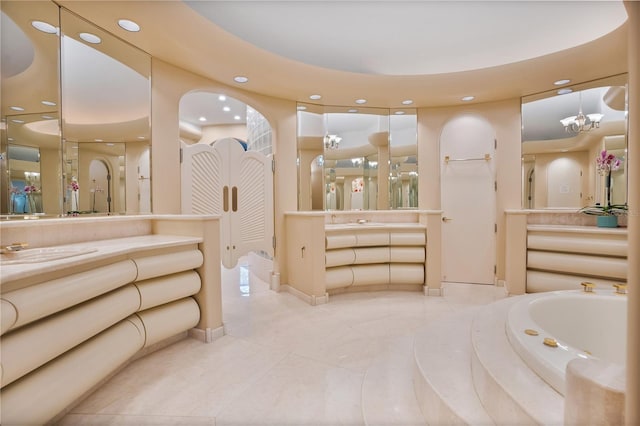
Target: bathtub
(584, 325)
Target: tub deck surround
(560, 255)
(335, 252)
(146, 280)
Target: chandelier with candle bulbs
(581, 122)
(332, 141)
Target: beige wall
(505, 118)
(169, 84)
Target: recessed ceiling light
(47, 117)
(226, 109)
(564, 91)
(16, 108)
(301, 107)
(468, 98)
(361, 101)
(353, 110)
(141, 137)
(45, 27)
(399, 112)
(240, 79)
(407, 102)
(128, 25)
(561, 82)
(10, 139)
(15, 120)
(98, 140)
(315, 97)
(48, 103)
(202, 119)
(222, 98)
(90, 38)
(110, 144)
(236, 117)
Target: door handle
(446, 219)
(234, 198)
(225, 198)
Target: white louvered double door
(223, 179)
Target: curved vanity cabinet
(558, 250)
(562, 257)
(69, 324)
(384, 256)
(361, 251)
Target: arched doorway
(236, 141)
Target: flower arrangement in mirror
(74, 202)
(29, 190)
(605, 164)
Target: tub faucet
(15, 247)
(587, 287)
(621, 288)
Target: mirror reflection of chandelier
(332, 141)
(581, 122)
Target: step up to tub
(442, 372)
(509, 390)
(387, 390)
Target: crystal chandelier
(581, 122)
(332, 141)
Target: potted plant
(607, 213)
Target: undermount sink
(353, 225)
(44, 254)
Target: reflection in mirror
(559, 151)
(344, 158)
(29, 109)
(96, 177)
(404, 160)
(33, 163)
(106, 121)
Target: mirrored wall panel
(564, 133)
(30, 151)
(356, 158)
(50, 57)
(106, 97)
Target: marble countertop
(372, 226)
(577, 229)
(92, 251)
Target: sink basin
(354, 225)
(42, 254)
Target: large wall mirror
(31, 164)
(559, 151)
(356, 158)
(75, 116)
(106, 97)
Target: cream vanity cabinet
(133, 285)
(325, 258)
(361, 255)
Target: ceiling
(412, 37)
(431, 52)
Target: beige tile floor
(283, 362)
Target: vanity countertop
(577, 229)
(371, 226)
(102, 249)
